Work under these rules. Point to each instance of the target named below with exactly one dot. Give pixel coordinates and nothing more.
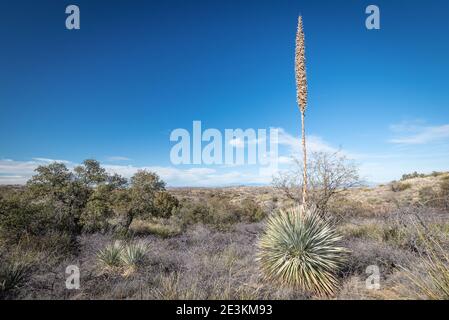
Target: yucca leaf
(300, 249)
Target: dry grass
(158, 228)
(203, 262)
(433, 280)
(364, 201)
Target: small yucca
(301, 250)
(12, 276)
(133, 254)
(110, 256)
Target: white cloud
(22, 168)
(293, 143)
(286, 160)
(18, 172)
(237, 142)
(201, 176)
(12, 180)
(50, 160)
(117, 158)
(413, 134)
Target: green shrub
(300, 249)
(164, 204)
(138, 200)
(56, 186)
(216, 213)
(98, 210)
(436, 173)
(18, 217)
(193, 212)
(222, 213)
(35, 227)
(412, 176)
(421, 175)
(219, 212)
(251, 211)
(85, 199)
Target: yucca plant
(301, 250)
(110, 256)
(301, 96)
(12, 276)
(133, 254)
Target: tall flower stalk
(301, 96)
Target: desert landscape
(224, 150)
(202, 243)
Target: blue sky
(136, 70)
